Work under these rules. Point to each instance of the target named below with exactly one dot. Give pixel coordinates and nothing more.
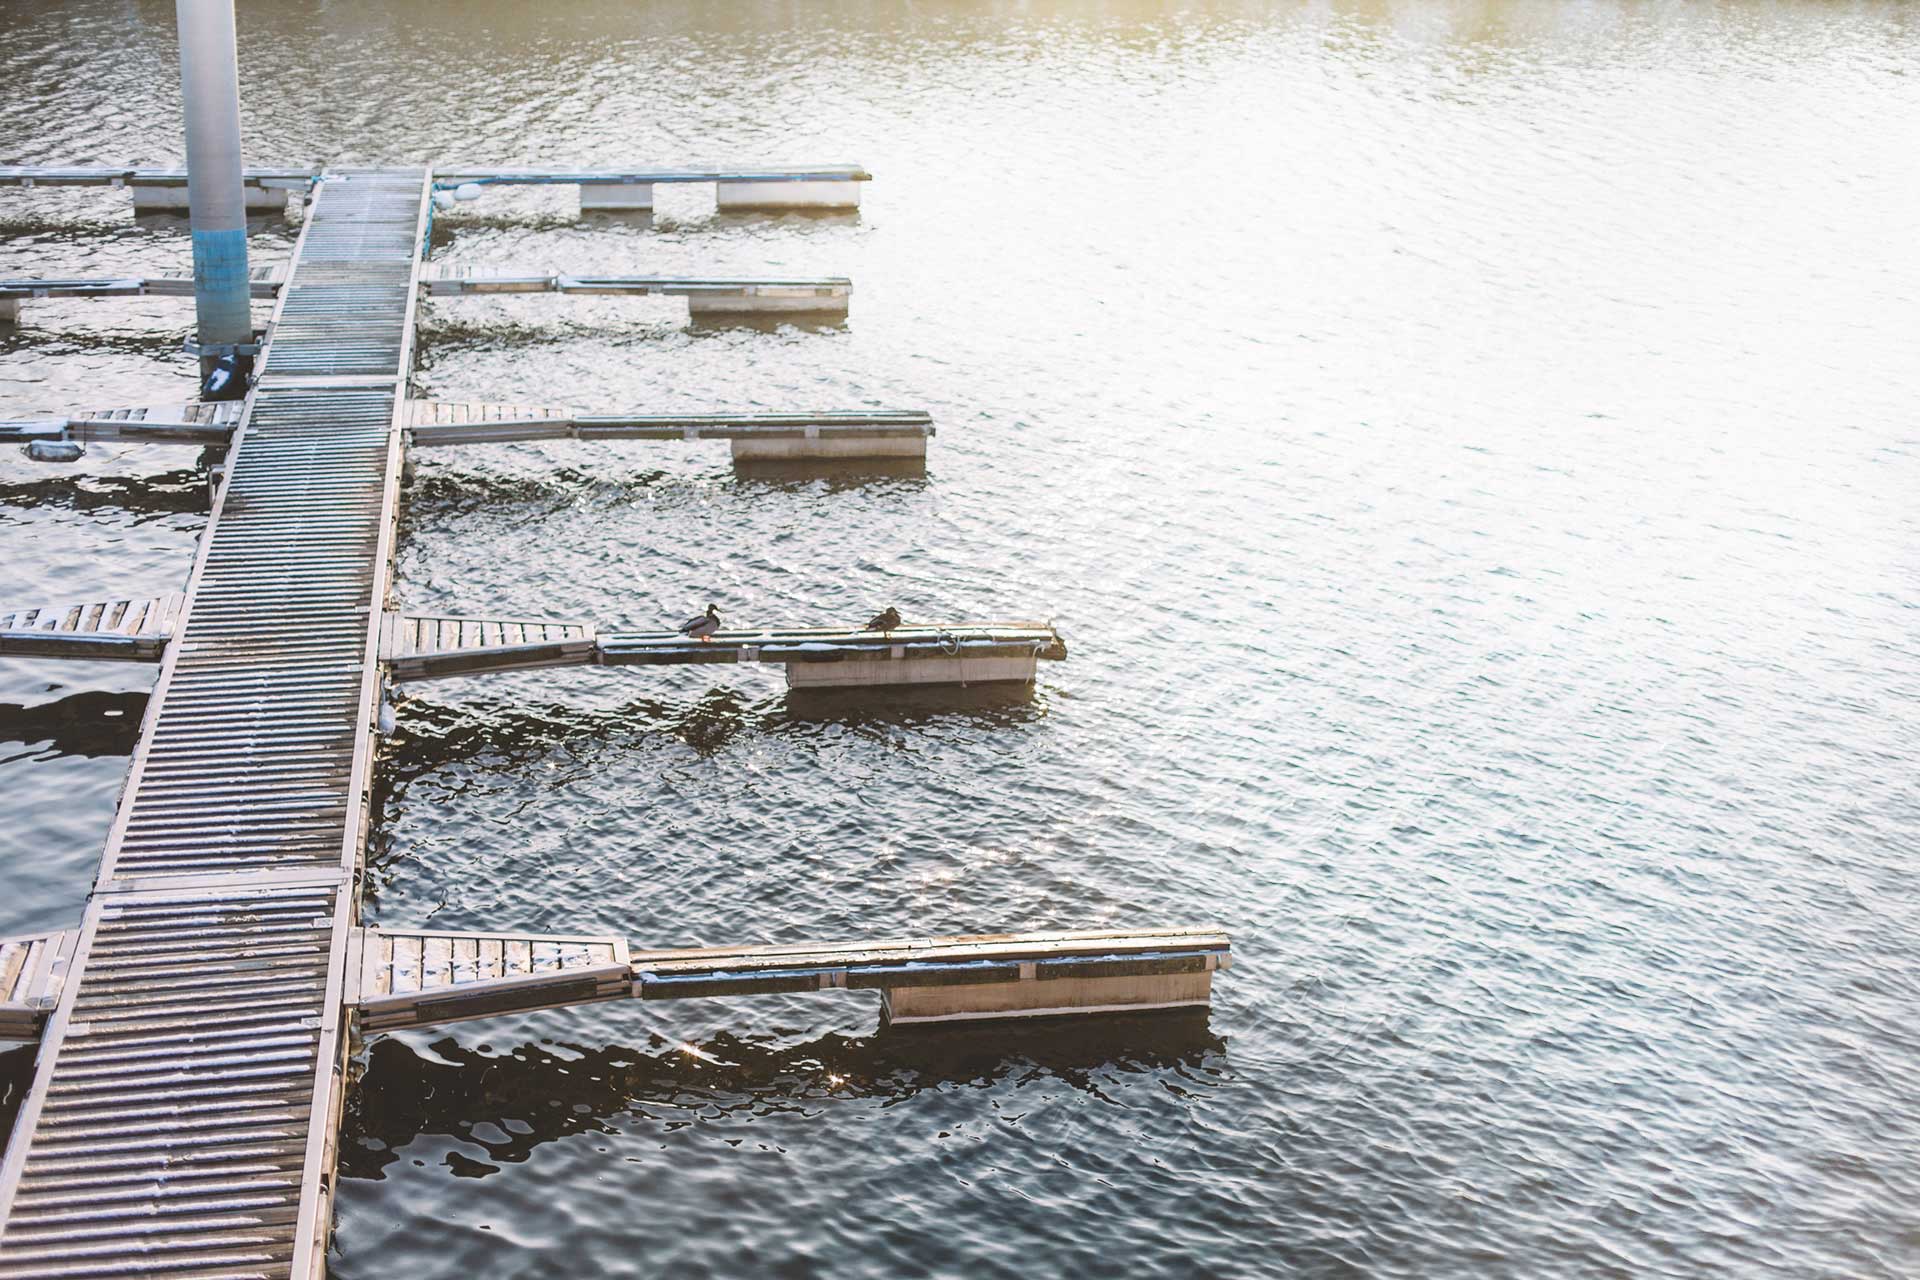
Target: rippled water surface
(1470, 448)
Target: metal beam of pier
(399, 978)
(184, 1108)
(262, 282)
(442, 422)
(184, 1104)
(825, 295)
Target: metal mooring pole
(216, 199)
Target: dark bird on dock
(885, 621)
(702, 626)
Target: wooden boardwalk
(183, 1110)
(124, 630)
(443, 422)
(183, 1114)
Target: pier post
(216, 195)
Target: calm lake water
(1470, 448)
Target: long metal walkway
(185, 1102)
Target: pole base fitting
(213, 350)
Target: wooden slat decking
(426, 647)
(418, 977)
(182, 1114)
(421, 978)
(423, 646)
(194, 423)
(405, 978)
(118, 629)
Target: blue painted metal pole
(216, 198)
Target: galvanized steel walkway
(184, 1106)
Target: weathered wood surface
(200, 1037)
(441, 422)
(32, 970)
(123, 629)
(428, 646)
(404, 978)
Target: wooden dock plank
(135, 630)
(993, 975)
(237, 904)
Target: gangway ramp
(183, 1109)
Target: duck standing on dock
(886, 621)
(702, 626)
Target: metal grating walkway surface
(182, 1115)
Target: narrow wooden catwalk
(148, 1142)
(194, 1027)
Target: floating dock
(831, 187)
(187, 1093)
(193, 1028)
(812, 295)
(826, 434)
(123, 630)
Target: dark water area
(1469, 448)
